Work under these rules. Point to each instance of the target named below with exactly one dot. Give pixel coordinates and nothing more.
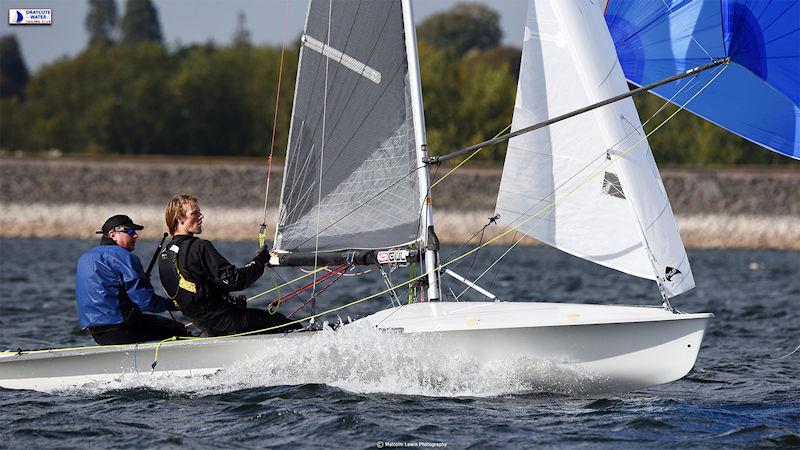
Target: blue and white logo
(30, 16)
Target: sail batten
(587, 185)
(367, 197)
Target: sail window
(345, 60)
(612, 186)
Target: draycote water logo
(30, 16)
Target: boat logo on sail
(671, 272)
(36, 16)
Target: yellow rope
(158, 347)
(452, 261)
(467, 159)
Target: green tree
(209, 92)
(106, 100)
(101, 21)
(241, 37)
(464, 27)
(691, 140)
(140, 23)
(13, 71)
(467, 99)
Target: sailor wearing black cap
(112, 290)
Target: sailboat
(357, 191)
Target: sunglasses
(127, 230)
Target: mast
(429, 241)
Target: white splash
(362, 359)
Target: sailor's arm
(139, 288)
(226, 275)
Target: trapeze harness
(185, 293)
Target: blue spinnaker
(758, 94)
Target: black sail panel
(349, 175)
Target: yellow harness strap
(183, 282)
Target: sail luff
(421, 148)
(291, 128)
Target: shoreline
(753, 208)
(79, 221)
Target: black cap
(120, 220)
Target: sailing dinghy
(356, 190)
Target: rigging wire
(338, 275)
(711, 58)
(321, 161)
(275, 117)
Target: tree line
(128, 93)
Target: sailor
(199, 280)
(111, 290)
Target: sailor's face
(193, 222)
(125, 239)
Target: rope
(788, 354)
(308, 286)
(158, 347)
(276, 288)
(275, 117)
(287, 283)
(275, 283)
(414, 279)
(324, 288)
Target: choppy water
(353, 388)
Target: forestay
(587, 185)
(349, 171)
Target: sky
(186, 22)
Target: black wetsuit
(213, 279)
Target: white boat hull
(614, 348)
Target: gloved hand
(262, 256)
(240, 301)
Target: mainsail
(349, 181)
(758, 95)
(588, 185)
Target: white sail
(588, 185)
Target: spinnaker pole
(466, 151)
(428, 237)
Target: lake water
(743, 390)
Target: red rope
(339, 270)
(340, 274)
